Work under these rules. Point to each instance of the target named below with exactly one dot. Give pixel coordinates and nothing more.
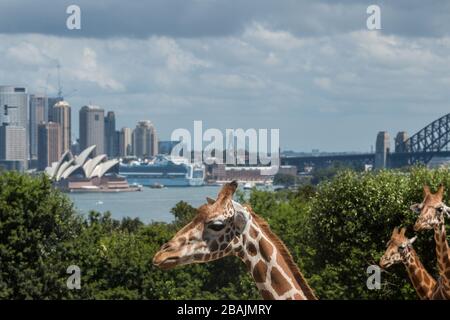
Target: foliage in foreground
(334, 231)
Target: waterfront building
(51, 101)
(14, 137)
(125, 142)
(111, 136)
(92, 128)
(62, 114)
(49, 143)
(145, 141)
(38, 114)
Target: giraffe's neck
(423, 283)
(442, 254)
(271, 269)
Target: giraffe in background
(223, 227)
(399, 249)
(431, 216)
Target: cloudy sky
(309, 68)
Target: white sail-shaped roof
(90, 165)
(70, 170)
(62, 168)
(104, 167)
(81, 159)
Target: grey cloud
(214, 18)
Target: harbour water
(148, 205)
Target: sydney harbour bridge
(431, 141)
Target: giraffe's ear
(210, 200)
(241, 218)
(402, 231)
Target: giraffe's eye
(216, 225)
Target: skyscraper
(49, 147)
(38, 114)
(14, 136)
(111, 137)
(62, 114)
(145, 142)
(51, 103)
(125, 142)
(92, 128)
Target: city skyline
(264, 67)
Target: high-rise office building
(14, 137)
(125, 142)
(62, 114)
(38, 114)
(51, 103)
(111, 136)
(12, 146)
(49, 147)
(92, 128)
(382, 147)
(145, 141)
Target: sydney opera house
(86, 173)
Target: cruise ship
(163, 171)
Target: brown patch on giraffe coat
(251, 249)
(253, 233)
(427, 281)
(214, 246)
(279, 283)
(222, 237)
(266, 249)
(223, 246)
(259, 272)
(248, 264)
(267, 295)
(298, 297)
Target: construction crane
(60, 88)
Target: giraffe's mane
(283, 250)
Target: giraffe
(399, 249)
(431, 216)
(223, 227)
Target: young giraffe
(399, 249)
(224, 227)
(431, 216)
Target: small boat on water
(157, 185)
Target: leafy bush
(334, 232)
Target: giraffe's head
(397, 248)
(431, 210)
(209, 236)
